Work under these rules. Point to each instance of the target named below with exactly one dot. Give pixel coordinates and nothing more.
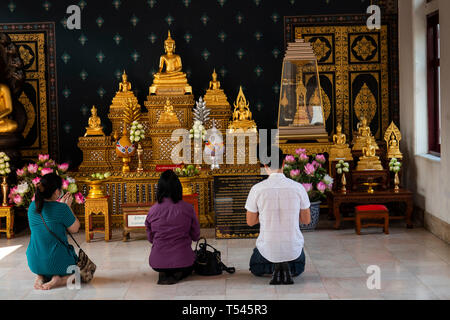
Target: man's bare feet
(56, 281)
(39, 282)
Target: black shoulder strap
(53, 234)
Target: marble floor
(414, 264)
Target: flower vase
(5, 192)
(344, 183)
(396, 182)
(140, 152)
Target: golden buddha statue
(170, 79)
(214, 84)
(301, 117)
(340, 149)
(393, 138)
(369, 159)
(242, 116)
(363, 133)
(6, 108)
(95, 124)
(168, 117)
(125, 85)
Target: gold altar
(169, 107)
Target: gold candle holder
(5, 192)
(140, 152)
(344, 183)
(397, 183)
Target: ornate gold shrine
(393, 138)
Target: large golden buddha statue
(369, 159)
(125, 85)
(340, 149)
(95, 124)
(170, 79)
(242, 116)
(6, 108)
(214, 84)
(364, 133)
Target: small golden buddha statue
(242, 116)
(363, 133)
(125, 85)
(214, 84)
(393, 138)
(170, 79)
(301, 117)
(95, 124)
(340, 150)
(6, 108)
(168, 117)
(369, 159)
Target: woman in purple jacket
(171, 226)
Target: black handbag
(209, 263)
(86, 266)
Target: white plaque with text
(136, 220)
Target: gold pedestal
(93, 207)
(369, 164)
(8, 213)
(340, 153)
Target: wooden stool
(376, 212)
(97, 206)
(8, 213)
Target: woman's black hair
(169, 186)
(45, 189)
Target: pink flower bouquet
(310, 172)
(30, 175)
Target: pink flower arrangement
(310, 169)
(45, 171)
(310, 172)
(31, 174)
(36, 180)
(32, 168)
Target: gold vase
(140, 152)
(397, 183)
(344, 183)
(95, 189)
(5, 192)
(186, 184)
(126, 164)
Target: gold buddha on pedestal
(364, 133)
(369, 160)
(393, 137)
(242, 116)
(301, 117)
(6, 108)
(95, 124)
(340, 149)
(125, 85)
(170, 79)
(168, 117)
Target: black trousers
(187, 271)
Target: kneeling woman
(47, 214)
(171, 225)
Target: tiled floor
(414, 265)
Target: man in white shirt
(279, 205)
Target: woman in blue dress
(47, 256)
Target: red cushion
(372, 207)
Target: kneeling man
(278, 204)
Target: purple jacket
(171, 228)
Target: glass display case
(301, 115)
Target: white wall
(427, 176)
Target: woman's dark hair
(45, 189)
(169, 186)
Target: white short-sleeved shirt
(278, 200)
